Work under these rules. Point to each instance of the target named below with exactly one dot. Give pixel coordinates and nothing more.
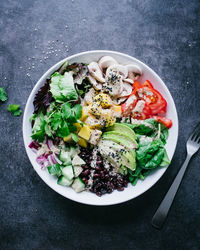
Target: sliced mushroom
(113, 89)
(96, 72)
(95, 84)
(106, 61)
(128, 80)
(134, 71)
(123, 71)
(127, 90)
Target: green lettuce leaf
(62, 87)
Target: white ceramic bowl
(132, 191)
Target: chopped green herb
(61, 120)
(3, 95)
(74, 137)
(15, 109)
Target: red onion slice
(56, 158)
(49, 144)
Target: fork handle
(162, 211)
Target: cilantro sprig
(3, 95)
(15, 109)
(59, 121)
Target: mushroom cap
(128, 80)
(106, 61)
(123, 71)
(133, 70)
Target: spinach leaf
(165, 161)
(145, 127)
(155, 160)
(146, 151)
(164, 133)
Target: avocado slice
(125, 130)
(122, 139)
(117, 155)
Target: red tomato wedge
(154, 101)
(129, 105)
(147, 83)
(165, 121)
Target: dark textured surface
(163, 34)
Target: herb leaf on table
(3, 95)
(15, 109)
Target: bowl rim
(56, 66)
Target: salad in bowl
(99, 126)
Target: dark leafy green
(151, 137)
(146, 151)
(43, 98)
(83, 88)
(155, 160)
(165, 161)
(145, 128)
(149, 127)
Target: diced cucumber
(78, 185)
(73, 151)
(77, 161)
(68, 172)
(77, 170)
(62, 180)
(54, 170)
(65, 158)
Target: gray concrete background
(163, 34)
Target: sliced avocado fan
(117, 155)
(123, 129)
(120, 138)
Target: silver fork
(193, 145)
